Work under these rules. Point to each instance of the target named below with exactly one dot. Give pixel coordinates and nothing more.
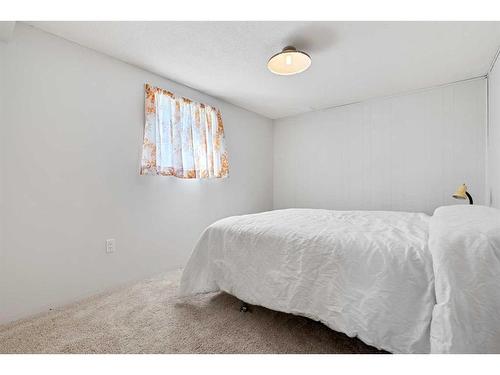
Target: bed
(369, 274)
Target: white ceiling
(351, 61)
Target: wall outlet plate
(110, 246)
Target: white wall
(2, 139)
(72, 137)
(494, 135)
(408, 152)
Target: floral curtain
(182, 138)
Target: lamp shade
(461, 192)
(289, 61)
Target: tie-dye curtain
(182, 138)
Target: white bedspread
(465, 246)
(367, 274)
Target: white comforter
(465, 246)
(367, 274)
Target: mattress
(368, 274)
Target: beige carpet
(148, 317)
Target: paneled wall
(407, 153)
(494, 136)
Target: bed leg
(243, 307)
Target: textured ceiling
(351, 61)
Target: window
(182, 138)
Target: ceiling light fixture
(289, 61)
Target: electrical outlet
(110, 245)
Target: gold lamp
(462, 193)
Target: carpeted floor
(148, 317)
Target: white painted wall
(2, 140)
(494, 135)
(72, 137)
(407, 153)
(6, 30)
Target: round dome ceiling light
(289, 61)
